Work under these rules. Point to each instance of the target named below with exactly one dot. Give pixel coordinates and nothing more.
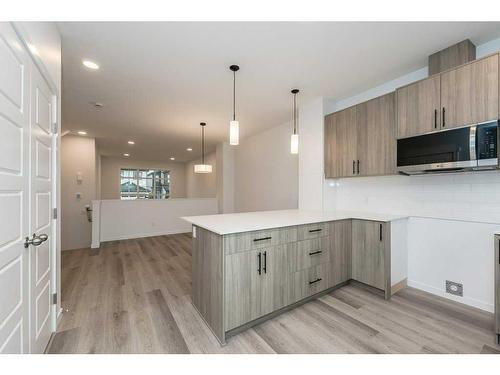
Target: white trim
(441, 292)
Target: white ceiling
(159, 80)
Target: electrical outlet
(454, 288)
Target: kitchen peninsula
(248, 267)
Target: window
(144, 184)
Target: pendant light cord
(202, 144)
(295, 113)
(234, 95)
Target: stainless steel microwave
(467, 148)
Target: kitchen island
(248, 267)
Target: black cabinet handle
(498, 251)
(315, 281)
(259, 268)
(265, 262)
(315, 230)
(354, 167)
(261, 239)
(358, 166)
(444, 114)
(435, 119)
(316, 252)
(380, 229)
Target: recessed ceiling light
(82, 132)
(90, 64)
(131, 142)
(189, 149)
(172, 158)
(126, 155)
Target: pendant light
(234, 126)
(202, 168)
(294, 140)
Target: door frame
(56, 162)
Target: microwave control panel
(487, 141)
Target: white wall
(225, 179)
(77, 156)
(143, 218)
(266, 174)
(453, 215)
(110, 175)
(201, 185)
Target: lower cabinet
(260, 281)
(497, 287)
(369, 253)
(257, 283)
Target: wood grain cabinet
(497, 287)
(340, 250)
(341, 144)
(419, 107)
(361, 140)
(469, 94)
(257, 283)
(371, 254)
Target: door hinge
(54, 298)
(54, 213)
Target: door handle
(35, 240)
(261, 239)
(358, 166)
(265, 262)
(315, 281)
(316, 252)
(259, 269)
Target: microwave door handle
(473, 142)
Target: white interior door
(14, 192)
(41, 221)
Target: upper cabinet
(341, 143)
(469, 94)
(361, 140)
(418, 107)
(458, 97)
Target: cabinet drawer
(310, 281)
(238, 242)
(308, 231)
(312, 252)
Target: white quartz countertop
(250, 221)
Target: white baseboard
(143, 235)
(441, 292)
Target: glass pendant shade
(202, 168)
(294, 144)
(234, 133)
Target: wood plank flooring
(133, 296)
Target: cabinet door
(242, 288)
(276, 278)
(340, 143)
(418, 107)
(340, 250)
(470, 94)
(368, 253)
(376, 136)
(497, 286)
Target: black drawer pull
(380, 232)
(259, 268)
(444, 118)
(315, 230)
(498, 251)
(435, 119)
(315, 281)
(316, 252)
(261, 239)
(265, 262)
